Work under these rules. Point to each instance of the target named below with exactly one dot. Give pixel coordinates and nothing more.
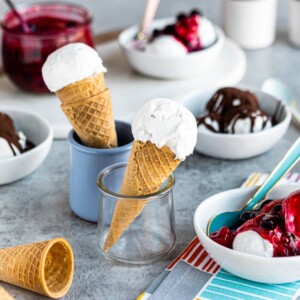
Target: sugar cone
(87, 105)
(84, 89)
(4, 295)
(147, 169)
(46, 268)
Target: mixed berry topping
(277, 221)
(185, 30)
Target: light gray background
(37, 208)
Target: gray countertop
(37, 208)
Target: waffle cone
(93, 120)
(45, 268)
(4, 295)
(80, 90)
(147, 169)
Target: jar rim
(150, 197)
(87, 20)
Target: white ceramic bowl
(239, 146)
(38, 131)
(262, 269)
(190, 65)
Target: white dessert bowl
(180, 67)
(239, 146)
(39, 132)
(271, 270)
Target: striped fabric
(194, 275)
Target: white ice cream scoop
(165, 122)
(166, 46)
(69, 64)
(252, 243)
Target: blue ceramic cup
(87, 163)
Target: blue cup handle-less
(289, 160)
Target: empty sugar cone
(4, 295)
(93, 121)
(46, 267)
(147, 169)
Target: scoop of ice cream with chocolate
(191, 32)
(231, 110)
(12, 143)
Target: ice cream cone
(75, 72)
(4, 295)
(45, 267)
(148, 168)
(93, 121)
(81, 90)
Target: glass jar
(53, 25)
(148, 231)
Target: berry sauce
(185, 30)
(277, 221)
(52, 26)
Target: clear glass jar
(150, 235)
(54, 25)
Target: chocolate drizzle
(8, 132)
(227, 106)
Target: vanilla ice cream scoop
(69, 64)
(165, 122)
(252, 243)
(166, 45)
(207, 32)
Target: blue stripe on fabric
(226, 292)
(211, 295)
(275, 288)
(250, 289)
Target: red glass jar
(54, 25)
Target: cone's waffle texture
(147, 169)
(4, 295)
(93, 121)
(45, 268)
(81, 90)
(87, 105)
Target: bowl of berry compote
(52, 25)
(175, 48)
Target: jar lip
(150, 197)
(87, 20)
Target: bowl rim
(123, 39)
(37, 148)
(229, 251)
(279, 125)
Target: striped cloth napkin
(194, 275)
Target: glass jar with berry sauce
(52, 26)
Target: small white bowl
(38, 131)
(274, 270)
(190, 65)
(239, 146)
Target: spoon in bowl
(27, 28)
(229, 219)
(149, 14)
(283, 92)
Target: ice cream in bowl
(25, 141)
(264, 245)
(175, 48)
(237, 123)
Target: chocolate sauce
(228, 105)
(8, 132)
